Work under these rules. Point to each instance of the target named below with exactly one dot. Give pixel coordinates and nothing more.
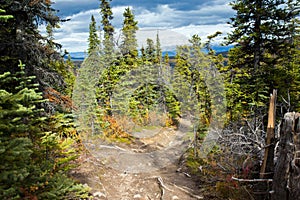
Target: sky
(175, 21)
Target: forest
(236, 111)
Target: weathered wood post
(286, 180)
(267, 168)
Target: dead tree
(267, 168)
(286, 180)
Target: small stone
(175, 198)
(137, 196)
(99, 194)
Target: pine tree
(150, 51)
(189, 81)
(129, 41)
(107, 16)
(20, 38)
(34, 160)
(94, 41)
(262, 30)
(87, 112)
(158, 50)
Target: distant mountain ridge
(79, 56)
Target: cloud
(176, 20)
(165, 16)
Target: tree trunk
(286, 184)
(294, 181)
(267, 168)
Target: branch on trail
(161, 187)
(188, 192)
(160, 181)
(251, 180)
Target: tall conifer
(262, 30)
(94, 41)
(129, 43)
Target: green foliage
(65, 69)
(129, 42)
(94, 41)
(86, 110)
(189, 80)
(107, 16)
(158, 50)
(19, 37)
(34, 157)
(265, 32)
(4, 17)
(150, 51)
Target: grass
(148, 127)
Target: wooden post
(267, 168)
(286, 184)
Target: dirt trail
(147, 170)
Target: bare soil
(146, 169)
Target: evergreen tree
(87, 113)
(34, 160)
(143, 54)
(262, 30)
(129, 43)
(150, 51)
(158, 50)
(107, 16)
(20, 38)
(189, 81)
(110, 74)
(94, 41)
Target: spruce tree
(94, 41)
(158, 50)
(189, 81)
(129, 42)
(87, 113)
(107, 16)
(20, 38)
(150, 52)
(34, 159)
(262, 30)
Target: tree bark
(286, 183)
(294, 179)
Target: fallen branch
(160, 181)
(186, 174)
(251, 180)
(188, 192)
(161, 187)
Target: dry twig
(188, 192)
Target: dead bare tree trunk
(286, 184)
(267, 168)
(294, 181)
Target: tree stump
(286, 180)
